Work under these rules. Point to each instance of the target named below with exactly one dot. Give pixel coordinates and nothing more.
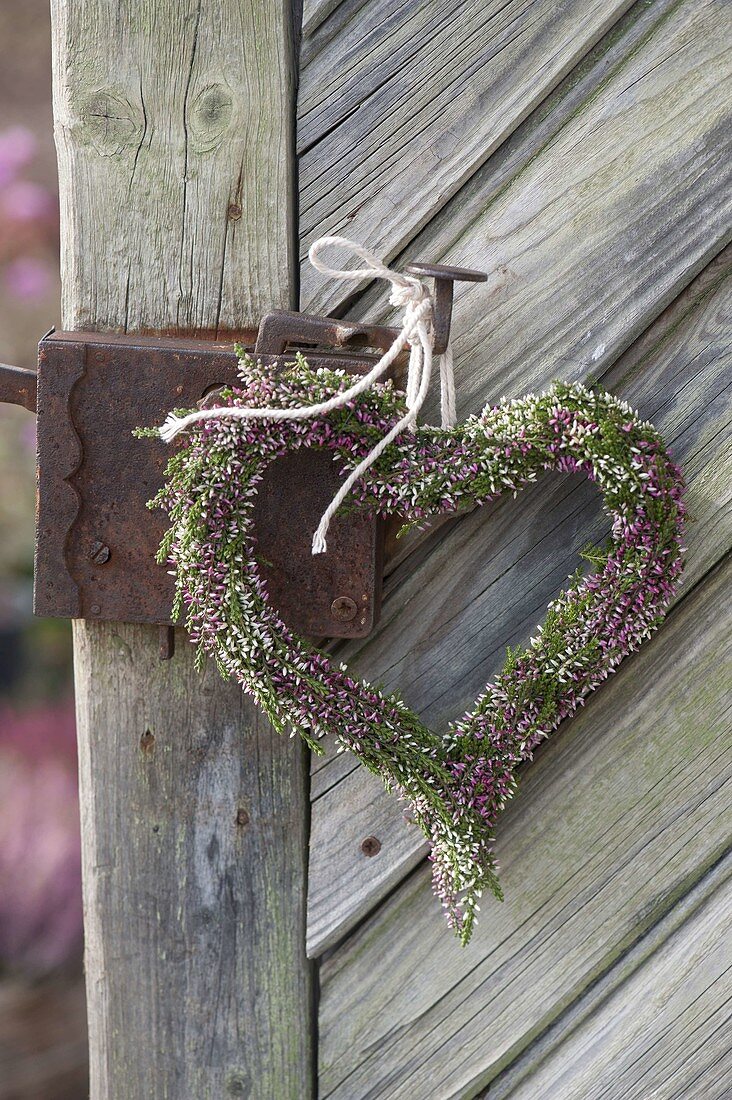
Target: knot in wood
(111, 123)
(210, 116)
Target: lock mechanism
(95, 538)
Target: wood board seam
(327, 9)
(715, 877)
(537, 609)
(624, 21)
(719, 564)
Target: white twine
(416, 331)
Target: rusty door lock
(95, 538)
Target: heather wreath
(457, 783)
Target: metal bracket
(96, 540)
(281, 327)
(18, 386)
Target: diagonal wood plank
(532, 136)
(619, 279)
(315, 12)
(658, 1025)
(427, 93)
(502, 565)
(337, 13)
(597, 847)
(596, 234)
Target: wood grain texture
(657, 1025)
(428, 92)
(592, 216)
(615, 820)
(533, 135)
(594, 264)
(449, 616)
(315, 12)
(173, 124)
(600, 228)
(194, 826)
(523, 145)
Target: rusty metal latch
(95, 538)
(281, 327)
(18, 386)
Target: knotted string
(417, 331)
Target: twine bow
(417, 332)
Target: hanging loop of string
(407, 293)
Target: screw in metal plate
(343, 609)
(371, 846)
(100, 553)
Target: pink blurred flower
(28, 277)
(40, 732)
(24, 201)
(40, 859)
(17, 148)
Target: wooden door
(579, 153)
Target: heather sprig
(457, 784)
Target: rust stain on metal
(147, 741)
(294, 492)
(166, 642)
(95, 478)
(96, 541)
(445, 277)
(281, 328)
(18, 386)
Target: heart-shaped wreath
(457, 783)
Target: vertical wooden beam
(173, 123)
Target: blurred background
(42, 1023)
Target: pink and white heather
(457, 784)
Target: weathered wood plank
(194, 828)
(595, 137)
(532, 136)
(501, 169)
(657, 1025)
(600, 842)
(425, 96)
(315, 12)
(174, 134)
(502, 565)
(595, 234)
